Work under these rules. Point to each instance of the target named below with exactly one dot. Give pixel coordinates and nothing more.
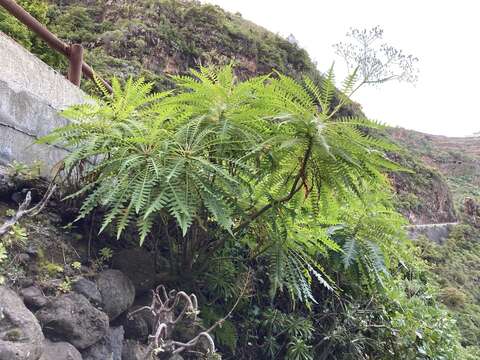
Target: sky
(443, 34)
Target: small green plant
(10, 212)
(51, 269)
(3, 253)
(65, 286)
(77, 265)
(13, 335)
(18, 233)
(9, 268)
(28, 172)
(288, 332)
(16, 236)
(105, 254)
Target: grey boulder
(21, 336)
(138, 325)
(118, 292)
(88, 289)
(73, 319)
(139, 265)
(33, 297)
(60, 351)
(133, 350)
(110, 347)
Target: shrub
(222, 159)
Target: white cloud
(443, 34)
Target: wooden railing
(73, 52)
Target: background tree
(40, 10)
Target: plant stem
(296, 186)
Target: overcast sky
(444, 35)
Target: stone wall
(438, 233)
(31, 95)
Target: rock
(133, 350)
(60, 351)
(88, 289)
(51, 286)
(69, 271)
(7, 185)
(176, 357)
(33, 268)
(33, 297)
(110, 347)
(139, 265)
(73, 319)
(472, 210)
(25, 282)
(32, 250)
(21, 336)
(139, 325)
(118, 292)
(23, 258)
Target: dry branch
(163, 308)
(23, 209)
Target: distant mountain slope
(157, 38)
(423, 195)
(456, 158)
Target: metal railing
(73, 52)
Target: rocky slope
(422, 194)
(457, 159)
(454, 259)
(66, 304)
(69, 293)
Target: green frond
(99, 83)
(327, 90)
(349, 83)
(349, 252)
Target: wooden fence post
(75, 56)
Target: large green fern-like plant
(217, 157)
(371, 237)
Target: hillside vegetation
(250, 180)
(455, 264)
(156, 38)
(457, 159)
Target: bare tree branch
(164, 307)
